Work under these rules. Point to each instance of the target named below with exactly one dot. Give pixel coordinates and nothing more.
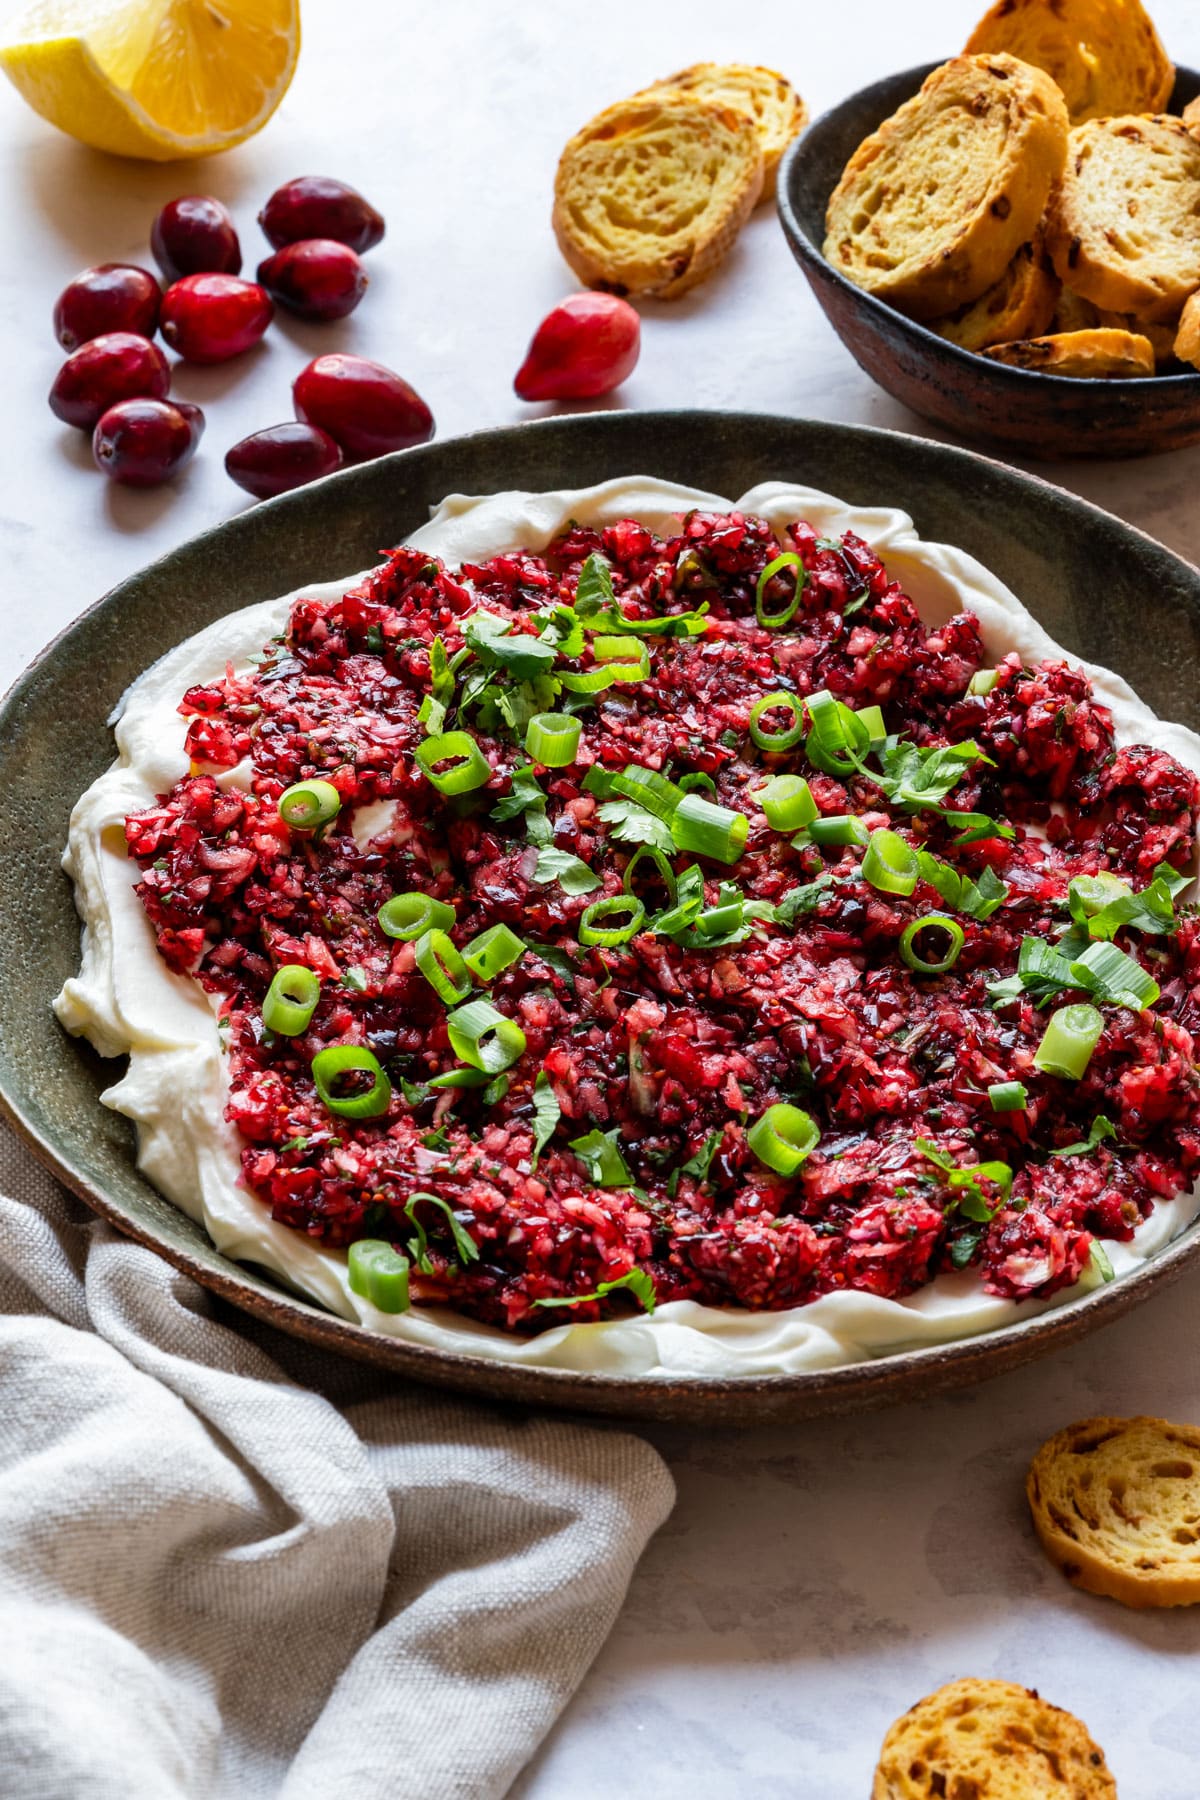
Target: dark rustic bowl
(1045, 416)
(1095, 584)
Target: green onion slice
(650, 789)
(291, 1000)
(1008, 1096)
(378, 1273)
(553, 738)
(589, 681)
(1115, 977)
(698, 780)
(787, 736)
(1088, 895)
(783, 1138)
(662, 868)
(308, 805)
(626, 659)
(982, 682)
(773, 621)
(787, 801)
(336, 1060)
(468, 766)
(442, 966)
(410, 916)
(839, 739)
(1100, 1263)
(951, 934)
(1068, 1041)
(460, 1078)
(484, 1038)
(839, 828)
(626, 906)
(725, 918)
(890, 864)
(493, 951)
(706, 829)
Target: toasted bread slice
(1105, 55)
(650, 196)
(1116, 1504)
(1187, 338)
(1161, 336)
(932, 207)
(772, 102)
(990, 1740)
(1123, 227)
(1073, 313)
(1021, 305)
(1090, 355)
(1191, 116)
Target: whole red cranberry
(317, 278)
(367, 408)
(282, 457)
(314, 206)
(110, 297)
(142, 443)
(195, 235)
(586, 346)
(118, 366)
(209, 318)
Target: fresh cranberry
(318, 278)
(110, 297)
(142, 443)
(367, 408)
(195, 235)
(586, 346)
(282, 457)
(313, 206)
(209, 318)
(118, 366)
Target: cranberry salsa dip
(630, 930)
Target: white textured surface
(812, 1582)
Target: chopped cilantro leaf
(571, 873)
(637, 1281)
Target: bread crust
(1105, 55)
(1187, 337)
(651, 194)
(1103, 354)
(1122, 226)
(1020, 305)
(1116, 1507)
(778, 111)
(990, 1740)
(1191, 116)
(932, 207)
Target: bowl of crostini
(1007, 241)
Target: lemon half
(158, 79)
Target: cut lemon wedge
(159, 79)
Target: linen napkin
(230, 1565)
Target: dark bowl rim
(255, 1292)
(811, 256)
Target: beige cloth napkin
(232, 1566)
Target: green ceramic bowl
(1102, 589)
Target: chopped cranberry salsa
(715, 1054)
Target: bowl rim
(812, 258)
(956, 1362)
